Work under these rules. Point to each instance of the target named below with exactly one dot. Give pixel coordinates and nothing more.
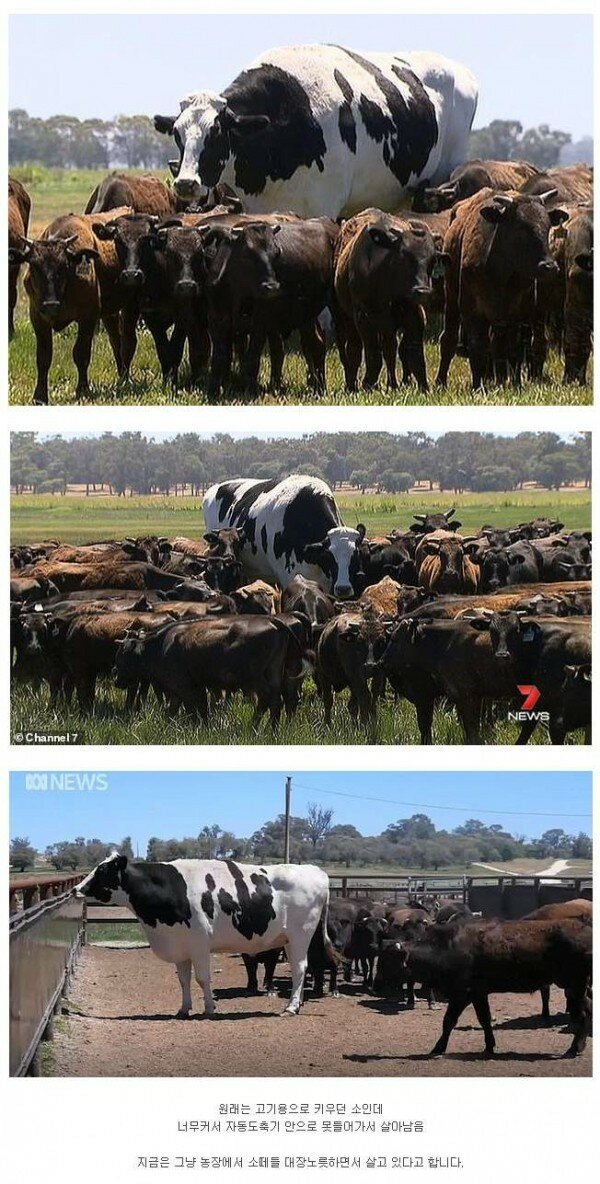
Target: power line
(338, 793)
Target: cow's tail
(332, 955)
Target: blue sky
(177, 804)
(534, 68)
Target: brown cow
(347, 653)
(443, 564)
(72, 277)
(572, 246)
(471, 177)
(19, 209)
(574, 183)
(498, 249)
(382, 598)
(145, 194)
(383, 276)
(257, 597)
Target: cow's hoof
(488, 1054)
(434, 1055)
(182, 1015)
(572, 1052)
(288, 1011)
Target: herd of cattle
(503, 253)
(192, 908)
(278, 589)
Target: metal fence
(45, 941)
(492, 896)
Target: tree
(22, 854)
(582, 846)
(318, 823)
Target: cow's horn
(420, 517)
(549, 195)
(448, 514)
(502, 199)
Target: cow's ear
(585, 260)
(557, 216)
(384, 238)
(165, 124)
(20, 254)
(82, 255)
(513, 559)
(211, 537)
(482, 624)
(362, 530)
(105, 230)
(121, 863)
(312, 552)
(492, 213)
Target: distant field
(75, 519)
(57, 192)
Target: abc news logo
(67, 782)
(531, 697)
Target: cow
(502, 567)
(258, 655)
(258, 597)
(434, 520)
(443, 564)
(323, 130)
(75, 577)
(72, 277)
(144, 194)
(382, 598)
(388, 558)
(570, 184)
(580, 909)
(572, 245)
(291, 527)
(307, 597)
(538, 651)
(19, 210)
(347, 655)
(269, 278)
(383, 278)
(498, 250)
(401, 925)
(470, 178)
(191, 908)
(468, 962)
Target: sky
(171, 805)
(60, 64)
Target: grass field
(78, 519)
(56, 192)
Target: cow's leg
(477, 334)
(372, 348)
(111, 322)
(327, 696)
(82, 352)
(389, 347)
(129, 319)
(162, 345)
(545, 994)
(424, 709)
(499, 353)
(527, 730)
(43, 357)
(298, 959)
(86, 692)
(579, 1009)
(13, 275)
(271, 960)
(410, 994)
(454, 1010)
(413, 354)
(202, 976)
(184, 974)
(251, 963)
(449, 337)
(350, 347)
(314, 350)
(469, 711)
(198, 347)
(276, 354)
(251, 367)
(482, 1011)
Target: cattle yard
(88, 999)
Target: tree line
(131, 463)
(130, 141)
(413, 842)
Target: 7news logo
(531, 697)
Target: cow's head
(247, 254)
(105, 882)
(525, 220)
(512, 633)
(182, 256)
(226, 543)
(206, 132)
(338, 557)
(130, 236)
(53, 263)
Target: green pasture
(79, 519)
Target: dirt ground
(126, 1028)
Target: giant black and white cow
(291, 527)
(325, 131)
(191, 908)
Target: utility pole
(288, 798)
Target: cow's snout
(186, 288)
(420, 292)
(132, 277)
(270, 288)
(50, 306)
(344, 591)
(547, 267)
(503, 655)
(186, 187)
